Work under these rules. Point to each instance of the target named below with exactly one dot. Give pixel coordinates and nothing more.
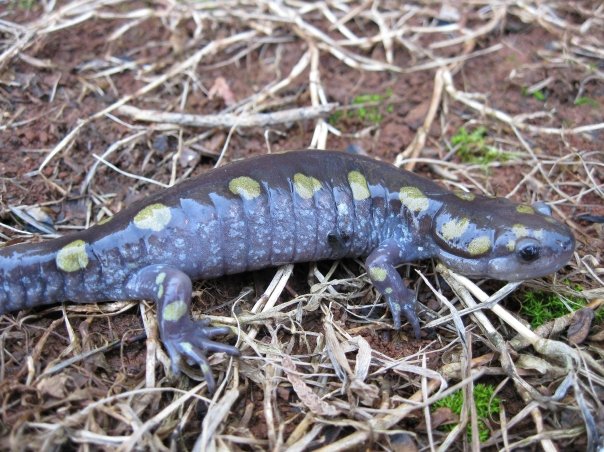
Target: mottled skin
(276, 209)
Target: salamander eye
(528, 249)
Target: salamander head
(499, 239)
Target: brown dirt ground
(54, 83)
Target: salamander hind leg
(381, 269)
(183, 337)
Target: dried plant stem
(419, 140)
(510, 120)
(227, 120)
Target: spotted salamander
(276, 209)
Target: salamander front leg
(381, 268)
(183, 337)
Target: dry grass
(331, 382)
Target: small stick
(229, 120)
(419, 141)
(464, 98)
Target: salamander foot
(192, 342)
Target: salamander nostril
(566, 245)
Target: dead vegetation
(102, 99)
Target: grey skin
(275, 209)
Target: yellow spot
(466, 196)
(159, 280)
(378, 273)
(453, 229)
(511, 245)
(551, 220)
(154, 217)
(523, 208)
(519, 230)
(306, 186)
(358, 185)
(413, 199)
(175, 310)
(72, 257)
(246, 187)
(388, 290)
(479, 245)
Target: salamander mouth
(520, 275)
(478, 268)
